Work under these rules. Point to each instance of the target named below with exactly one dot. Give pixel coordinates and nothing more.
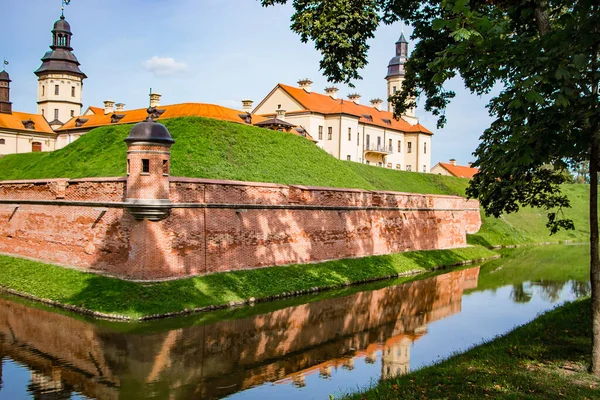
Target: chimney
(376, 103)
(470, 164)
(305, 84)
(355, 97)
(247, 105)
(108, 106)
(120, 107)
(332, 91)
(452, 161)
(154, 100)
(281, 114)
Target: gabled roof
(459, 170)
(15, 120)
(325, 104)
(170, 111)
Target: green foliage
(545, 359)
(115, 296)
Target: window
(368, 162)
(329, 133)
(424, 168)
(378, 142)
(56, 113)
(56, 90)
(43, 113)
(43, 90)
(2, 141)
(425, 148)
(380, 164)
(320, 132)
(357, 139)
(408, 167)
(72, 113)
(394, 90)
(409, 147)
(165, 167)
(72, 91)
(389, 165)
(348, 158)
(368, 140)
(36, 147)
(398, 166)
(349, 134)
(390, 146)
(128, 167)
(399, 146)
(145, 166)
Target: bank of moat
(150, 226)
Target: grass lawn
(135, 300)
(545, 359)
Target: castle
(344, 128)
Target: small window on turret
(56, 90)
(145, 166)
(165, 167)
(128, 166)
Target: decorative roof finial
(62, 8)
(4, 64)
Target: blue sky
(207, 51)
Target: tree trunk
(594, 258)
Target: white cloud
(164, 66)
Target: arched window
(36, 147)
(2, 141)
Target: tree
(542, 55)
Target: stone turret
(5, 104)
(148, 167)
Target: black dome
(149, 131)
(62, 25)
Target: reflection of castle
(225, 357)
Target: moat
(302, 348)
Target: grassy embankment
(545, 359)
(221, 150)
(213, 149)
(133, 300)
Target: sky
(205, 51)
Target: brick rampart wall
(221, 225)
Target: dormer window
(387, 121)
(368, 117)
(80, 121)
(247, 118)
(116, 118)
(28, 124)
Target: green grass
(545, 359)
(115, 296)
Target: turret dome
(62, 25)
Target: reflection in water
(67, 354)
(307, 350)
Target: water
(303, 348)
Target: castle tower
(5, 104)
(148, 167)
(396, 72)
(60, 81)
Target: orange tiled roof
(96, 110)
(171, 111)
(459, 170)
(325, 104)
(14, 122)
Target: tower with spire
(5, 104)
(396, 72)
(60, 81)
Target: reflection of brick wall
(221, 225)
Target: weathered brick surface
(204, 240)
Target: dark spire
(61, 59)
(5, 104)
(396, 65)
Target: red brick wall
(303, 224)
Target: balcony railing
(374, 148)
